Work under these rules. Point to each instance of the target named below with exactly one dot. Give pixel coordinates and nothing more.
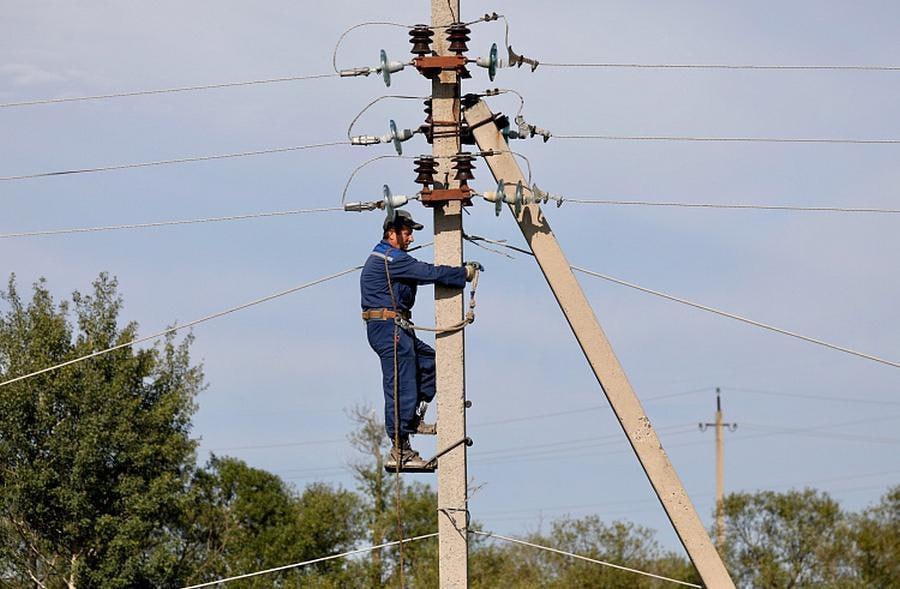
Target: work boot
(408, 459)
(425, 429)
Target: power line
(244, 217)
(41, 101)
(738, 317)
(851, 437)
(175, 161)
(717, 311)
(816, 397)
(180, 327)
(530, 510)
(281, 445)
(584, 558)
(583, 409)
(693, 138)
(313, 561)
(725, 66)
(736, 206)
(593, 441)
(538, 456)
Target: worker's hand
(471, 269)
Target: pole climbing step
(431, 464)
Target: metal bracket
(434, 459)
(439, 196)
(431, 66)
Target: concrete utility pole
(448, 307)
(720, 467)
(602, 359)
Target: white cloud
(25, 74)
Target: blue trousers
(415, 370)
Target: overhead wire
(358, 168)
(815, 397)
(376, 101)
(654, 500)
(376, 158)
(42, 101)
(709, 309)
(176, 328)
(313, 561)
(176, 161)
(736, 317)
(723, 66)
(343, 36)
(584, 558)
(830, 435)
(736, 206)
(708, 139)
(244, 217)
(280, 445)
(537, 456)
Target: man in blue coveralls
(388, 286)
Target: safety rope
(400, 323)
(397, 448)
(468, 320)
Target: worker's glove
(471, 269)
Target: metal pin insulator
(420, 37)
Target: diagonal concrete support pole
(603, 361)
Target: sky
(283, 374)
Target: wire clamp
(385, 67)
(517, 60)
(394, 136)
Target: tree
(242, 519)
(876, 535)
(92, 454)
(795, 539)
(381, 493)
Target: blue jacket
(407, 273)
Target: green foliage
(876, 534)
(795, 539)
(244, 519)
(93, 453)
(620, 543)
(99, 488)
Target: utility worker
(388, 286)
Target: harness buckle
(403, 322)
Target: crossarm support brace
(603, 361)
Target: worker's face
(402, 239)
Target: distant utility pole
(720, 467)
(449, 347)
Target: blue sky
(285, 372)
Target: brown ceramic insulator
(458, 35)
(426, 168)
(463, 164)
(420, 37)
(466, 137)
(427, 128)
